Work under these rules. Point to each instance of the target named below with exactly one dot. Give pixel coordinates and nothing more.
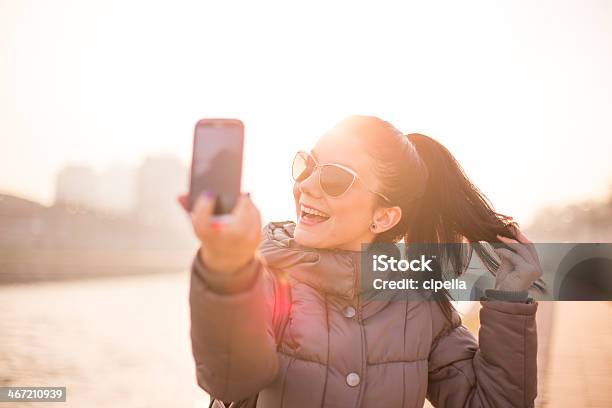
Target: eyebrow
(312, 152)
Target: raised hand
(229, 245)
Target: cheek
(296, 191)
(351, 215)
(296, 198)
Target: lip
(312, 208)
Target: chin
(316, 236)
(306, 238)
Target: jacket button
(349, 311)
(353, 379)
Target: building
(78, 186)
(160, 180)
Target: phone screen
(217, 162)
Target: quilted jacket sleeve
(501, 371)
(227, 311)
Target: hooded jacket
(340, 349)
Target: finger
(521, 249)
(515, 259)
(518, 234)
(235, 218)
(183, 200)
(233, 224)
(522, 271)
(503, 270)
(246, 220)
(520, 237)
(244, 210)
(530, 245)
(255, 219)
(202, 211)
(517, 246)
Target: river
(113, 342)
(124, 342)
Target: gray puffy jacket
(341, 351)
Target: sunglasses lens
(335, 180)
(302, 166)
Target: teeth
(312, 211)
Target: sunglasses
(334, 179)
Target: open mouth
(312, 216)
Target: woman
(364, 182)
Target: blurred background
(98, 101)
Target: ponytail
(453, 210)
(440, 205)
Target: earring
(373, 226)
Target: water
(111, 341)
(124, 342)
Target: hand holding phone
(229, 246)
(215, 192)
(232, 245)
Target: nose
(311, 185)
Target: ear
(386, 218)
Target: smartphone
(216, 164)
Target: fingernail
(217, 226)
(208, 195)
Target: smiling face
(338, 222)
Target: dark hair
(439, 203)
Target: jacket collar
(334, 272)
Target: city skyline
(121, 198)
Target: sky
(520, 92)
